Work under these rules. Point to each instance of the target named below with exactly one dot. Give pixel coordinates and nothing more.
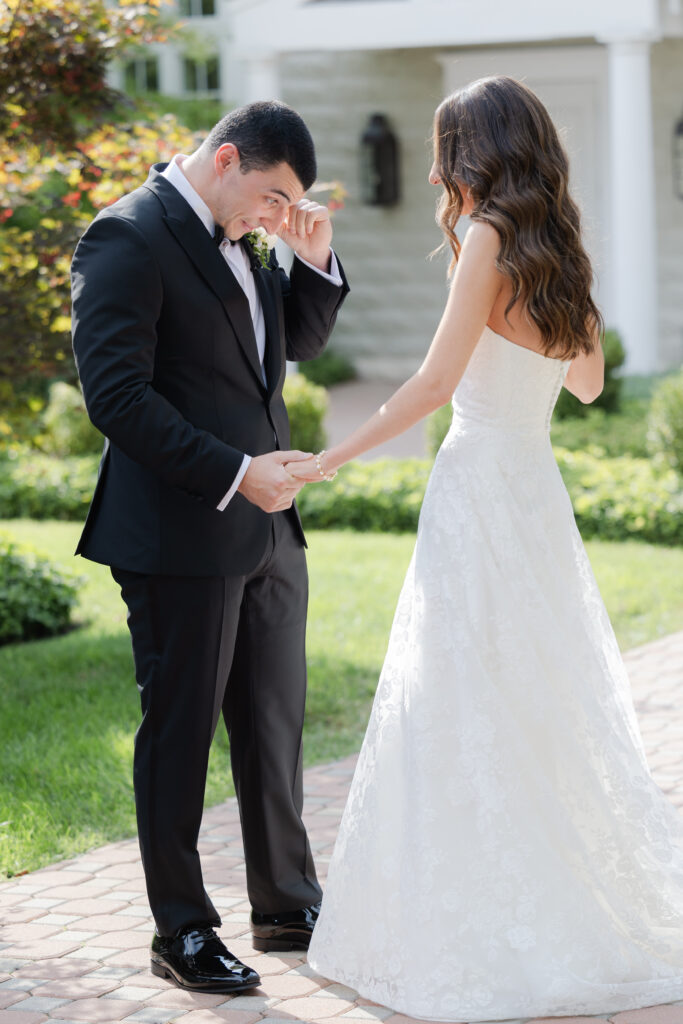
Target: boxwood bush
(36, 598)
(306, 406)
(665, 422)
(382, 495)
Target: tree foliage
(53, 61)
(48, 199)
(71, 146)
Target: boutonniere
(262, 245)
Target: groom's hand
(307, 229)
(267, 483)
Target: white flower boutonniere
(262, 245)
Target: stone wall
(397, 293)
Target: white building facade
(610, 73)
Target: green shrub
(306, 404)
(622, 498)
(38, 486)
(329, 368)
(665, 423)
(615, 433)
(66, 427)
(610, 398)
(36, 599)
(382, 495)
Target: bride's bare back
(585, 376)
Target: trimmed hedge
(665, 422)
(36, 598)
(615, 433)
(385, 495)
(623, 498)
(614, 498)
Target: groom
(181, 337)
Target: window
(196, 8)
(142, 75)
(202, 75)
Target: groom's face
(244, 201)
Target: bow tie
(218, 234)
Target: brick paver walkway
(74, 939)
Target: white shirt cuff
(334, 277)
(235, 484)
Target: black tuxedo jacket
(165, 350)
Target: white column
(170, 71)
(633, 236)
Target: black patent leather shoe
(292, 929)
(197, 959)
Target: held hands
(314, 469)
(271, 484)
(307, 230)
(273, 481)
(305, 471)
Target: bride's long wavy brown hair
(497, 139)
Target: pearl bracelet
(318, 462)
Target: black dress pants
(234, 644)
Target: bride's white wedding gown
(504, 852)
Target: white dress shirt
(238, 261)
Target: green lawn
(70, 705)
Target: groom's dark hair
(265, 134)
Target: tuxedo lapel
(274, 355)
(266, 281)
(191, 234)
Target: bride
(504, 852)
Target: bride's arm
(475, 286)
(586, 375)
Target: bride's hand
(305, 469)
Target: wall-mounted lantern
(379, 163)
(678, 158)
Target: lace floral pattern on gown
(504, 851)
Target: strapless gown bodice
(507, 389)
